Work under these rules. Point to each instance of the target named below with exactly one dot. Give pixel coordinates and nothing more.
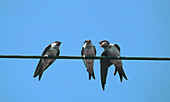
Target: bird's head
(104, 43)
(88, 43)
(56, 44)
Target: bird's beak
(59, 44)
(100, 44)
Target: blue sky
(140, 28)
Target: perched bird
(89, 50)
(50, 50)
(110, 50)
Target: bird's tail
(40, 76)
(35, 75)
(91, 75)
(38, 72)
(121, 73)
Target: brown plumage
(50, 50)
(110, 50)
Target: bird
(110, 50)
(50, 50)
(89, 50)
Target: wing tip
(89, 76)
(93, 75)
(35, 75)
(125, 77)
(40, 77)
(115, 71)
(103, 87)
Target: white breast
(52, 52)
(89, 51)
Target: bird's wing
(47, 48)
(38, 68)
(104, 65)
(47, 65)
(39, 63)
(82, 50)
(53, 59)
(58, 53)
(94, 50)
(117, 46)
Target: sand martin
(110, 50)
(50, 50)
(89, 50)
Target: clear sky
(139, 27)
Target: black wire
(78, 57)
